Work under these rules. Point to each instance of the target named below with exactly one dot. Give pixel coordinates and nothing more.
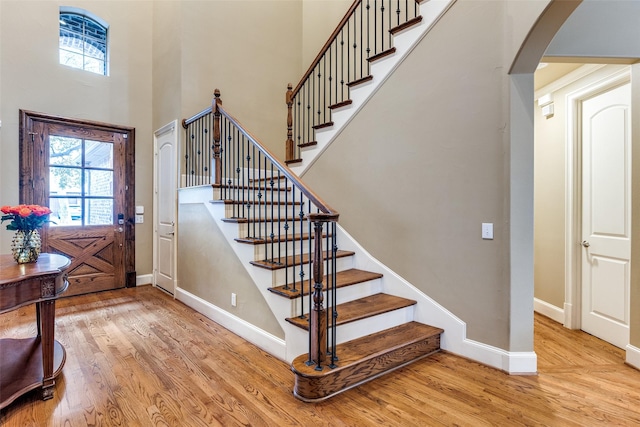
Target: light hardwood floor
(136, 357)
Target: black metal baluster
(237, 168)
(361, 39)
(375, 26)
(280, 240)
(334, 293)
(286, 229)
(342, 64)
(230, 156)
(301, 216)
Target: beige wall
(33, 79)
(209, 268)
(167, 62)
(249, 50)
(319, 19)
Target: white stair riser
(344, 294)
(282, 249)
(252, 194)
(371, 325)
(264, 229)
(262, 211)
(280, 277)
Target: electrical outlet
(139, 219)
(234, 300)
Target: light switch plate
(487, 230)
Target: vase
(25, 246)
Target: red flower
(25, 217)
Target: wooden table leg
(47, 326)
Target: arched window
(83, 41)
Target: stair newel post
(289, 146)
(317, 316)
(217, 160)
(318, 327)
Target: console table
(31, 363)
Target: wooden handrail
(288, 173)
(333, 35)
(201, 114)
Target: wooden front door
(83, 171)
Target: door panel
(83, 175)
(165, 212)
(606, 215)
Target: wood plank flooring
(136, 357)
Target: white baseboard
(266, 341)
(144, 279)
(512, 362)
(633, 356)
(549, 310)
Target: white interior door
(606, 214)
(166, 141)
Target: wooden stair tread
(282, 262)
(344, 278)
(253, 202)
(360, 81)
(410, 23)
(359, 309)
(252, 220)
(381, 55)
(308, 144)
(370, 346)
(322, 125)
(275, 178)
(293, 161)
(340, 104)
(259, 187)
(277, 239)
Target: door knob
(586, 244)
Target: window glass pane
(98, 183)
(64, 181)
(65, 211)
(98, 211)
(65, 151)
(71, 59)
(98, 154)
(93, 65)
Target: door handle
(586, 244)
(171, 233)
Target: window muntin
(83, 42)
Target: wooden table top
(11, 271)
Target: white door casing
(606, 214)
(165, 205)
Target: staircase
(375, 331)
(352, 323)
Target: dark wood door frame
(33, 189)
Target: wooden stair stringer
(403, 41)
